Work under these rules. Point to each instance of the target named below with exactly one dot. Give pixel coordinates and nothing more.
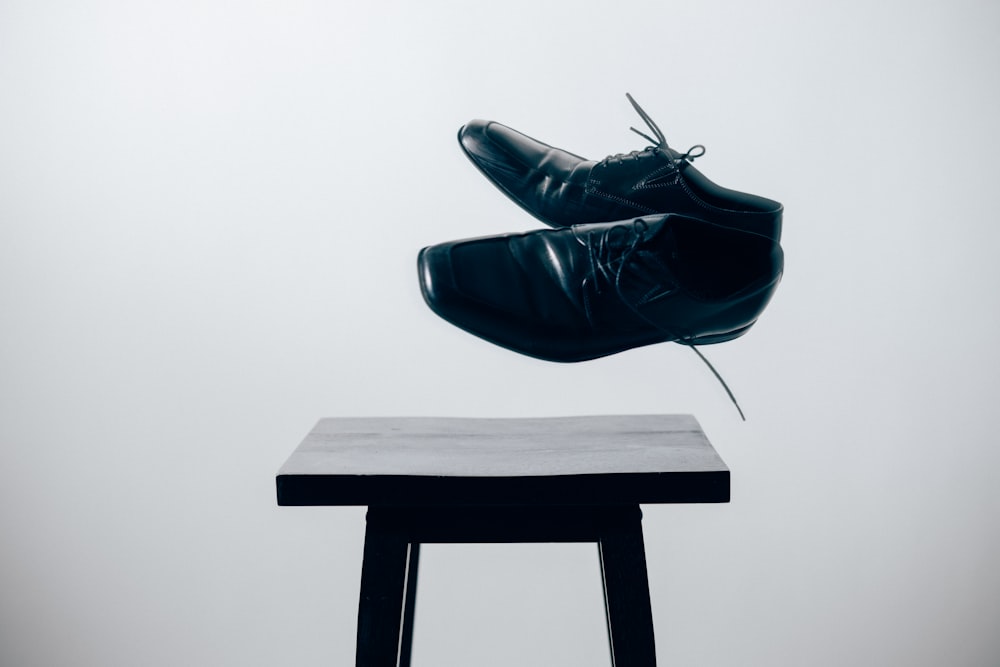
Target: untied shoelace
(607, 263)
(658, 145)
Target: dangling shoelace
(608, 257)
(658, 145)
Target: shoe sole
(722, 337)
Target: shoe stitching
(645, 184)
(621, 200)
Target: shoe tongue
(646, 274)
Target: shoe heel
(743, 314)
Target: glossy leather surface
(562, 189)
(588, 291)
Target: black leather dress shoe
(588, 291)
(563, 189)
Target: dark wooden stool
(449, 480)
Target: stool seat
(551, 479)
(591, 460)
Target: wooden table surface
(589, 460)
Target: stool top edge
(503, 447)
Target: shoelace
(608, 252)
(658, 145)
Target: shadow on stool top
(590, 460)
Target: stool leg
(409, 603)
(384, 611)
(626, 593)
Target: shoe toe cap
(479, 286)
(498, 148)
(462, 281)
(437, 283)
(468, 297)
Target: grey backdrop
(209, 218)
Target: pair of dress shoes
(645, 249)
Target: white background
(209, 219)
